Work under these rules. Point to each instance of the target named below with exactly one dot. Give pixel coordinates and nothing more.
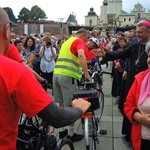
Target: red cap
(145, 23)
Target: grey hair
(147, 47)
(82, 30)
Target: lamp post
(105, 4)
(61, 25)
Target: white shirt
(47, 63)
(145, 109)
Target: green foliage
(10, 14)
(24, 15)
(37, 13)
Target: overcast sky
(55, 9)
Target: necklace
(141, 51)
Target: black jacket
(134, 52)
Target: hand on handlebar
(81, 103)
(88, 77)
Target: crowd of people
(21, 92)
(136, 61)
(58, 61)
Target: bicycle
(60, 144)
(33, 135)
(93, 93)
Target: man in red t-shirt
(20, 92)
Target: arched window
(139, 16)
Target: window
(129, 19)
(139, 16)
(90, 22)
(124, 19)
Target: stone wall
(34, 28)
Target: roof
(12, 24)
(71, 18)
(138, 5)
(91, 12)
(124, 13)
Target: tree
(37, 13)
(10, 14)
(24, 15)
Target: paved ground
(111, 121)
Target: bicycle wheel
(51, 142)
(90, 133)
(66, 144)
(99, 111)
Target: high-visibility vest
(68, 64)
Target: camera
(48, 43)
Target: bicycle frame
(86, 118)
(90, 120)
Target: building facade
(113, 10)
(125, 19)
(91, 19)
(117, 16)
(140, 13)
